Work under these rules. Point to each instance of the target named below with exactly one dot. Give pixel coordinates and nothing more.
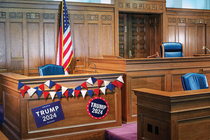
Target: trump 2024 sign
(97, 108)
(47, 114)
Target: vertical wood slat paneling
(30, 32)
(106, 40)
(2, 47)
(79, 50)
(207, 37)
(93, 39)
(33, 45)
(16, 37)
(191, 40)
(49, 43)
(172, 33)
(200, 39)
(182, 37)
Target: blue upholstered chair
(51, 69)
(171, 49)
(194, 81)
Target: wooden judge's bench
(180, 115)
(162, 74)
(19, 122)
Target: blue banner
(47, 114)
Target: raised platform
(126, 132)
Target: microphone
(89, 62)
(204, 47)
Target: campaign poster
(47, 114)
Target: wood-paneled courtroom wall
(29, 33)
(189, 27)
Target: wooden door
(138, 37)
(123, 36)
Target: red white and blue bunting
(81, 89)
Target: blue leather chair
(194, 81)
(51, 69)
(171, 49)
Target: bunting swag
(66, 92)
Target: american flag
(65, 48)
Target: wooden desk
(160, 74)
(19, 122)
(182, 115)
(201, 55)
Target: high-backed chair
(51, 69)
(194, 81)
(171, 49)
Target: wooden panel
(79, 51)
(107, 40)
(207, 37)
(154, 128)
(152, 82)
(2, 47)
(139, 33)
(183, 113)
(177, 83)
(16, 40)
(182, 37)
(93, 38)
(172, 33)
(72, 120)
(49, 43)
(191, 40)
(187, 127)
(77, 120)
(155, 34)
(201, 39)
(33, 45)
(123, 50)
(12, 115)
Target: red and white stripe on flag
(65, 48)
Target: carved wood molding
(78, 16)
(142, 6)
(106, 17)
(32, 15)
(171, 20)
(48, 16)
(2, 15)
(181, 20)
(14, 15)
(194, 21)
(92, 17)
